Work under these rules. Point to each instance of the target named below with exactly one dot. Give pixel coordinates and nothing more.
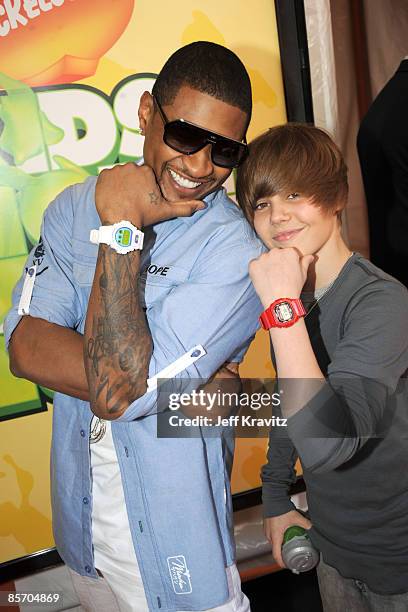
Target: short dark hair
(209, 68)
(293, 157)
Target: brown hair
(294, 157)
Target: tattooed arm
(117, 341)
(118, 344)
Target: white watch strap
(105, 234)
(140, 240)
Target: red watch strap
(298, 307)
(267, 319)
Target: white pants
(96, 595)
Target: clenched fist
(131, 192)
(280, 273)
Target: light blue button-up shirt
(196, 290)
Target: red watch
(283, 312)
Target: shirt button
(85, 500)
(88, 569)
(82, 432)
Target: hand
(275, 527)
(130, 192)
(225, 380)
(229, 369)
(279, 273)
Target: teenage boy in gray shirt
(340, 348)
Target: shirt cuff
(275, 503)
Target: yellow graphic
(25, 513)
(203, 28)
(18, 520)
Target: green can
(298, 552)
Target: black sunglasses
(188, 138)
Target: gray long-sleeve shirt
(352, 437)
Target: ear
(339, 216)
(146, 111)
(338, 210)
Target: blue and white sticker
(180, 575)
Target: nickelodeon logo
(17, 15)
(48, 42)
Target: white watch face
(284, 312)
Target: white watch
(123, 237)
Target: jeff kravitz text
(177, 420)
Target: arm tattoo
(118, 345)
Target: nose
(199, 164)
(278, 211)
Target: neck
(330, 259)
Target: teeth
(183, 182)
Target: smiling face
(293, 220)
(187, 177)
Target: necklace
(98, 430)
(324, 290)
(317, 300)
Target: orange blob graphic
(47, 42)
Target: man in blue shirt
(151, 515)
